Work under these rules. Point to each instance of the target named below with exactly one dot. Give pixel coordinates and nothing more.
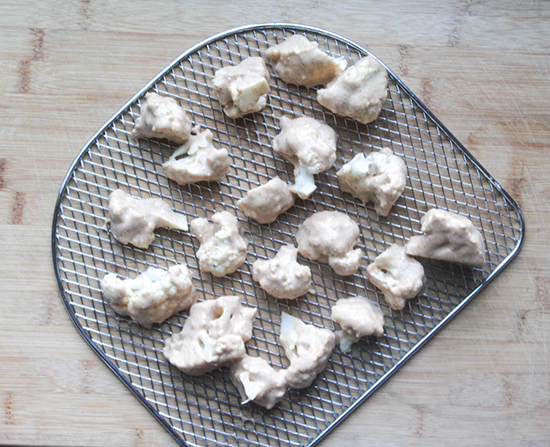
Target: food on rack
(162, 117)
(213, 336)
(133, 220)
(379, 178)
(400, 277)
(308, 349)
(358, 317)
(299, 61)
(448, 237)
(310, 146)
(242, 88)
(223, 247)
(257, 381)
(282, 276)
(151, 297)
(329, 237)
(266, 202)
(359, 92)
(197, 160)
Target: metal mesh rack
(205, 410)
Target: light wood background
(481, 66)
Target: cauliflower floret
(398, 276)
(299, 61)
(257, 381)
(266, 202)
(282, 276)
(448, 237)
(151, 297)
(310, 146)
(358, 317)
(133, 221)
(307, 347)
(243, 88)
(379, 177)
(203, 163)
(359, 92)
(213, 336)
(223, 248)
(329, 237)
(162, 117)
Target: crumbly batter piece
(151, 297)
(213, 336)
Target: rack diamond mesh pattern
(206, 410)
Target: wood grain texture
(483, 69)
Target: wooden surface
(482, 67)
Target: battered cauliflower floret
(329, 237)
(282, 276)
(197, 160)
(299, 61)
(379, 177)
(223, 248)
(243, 88)
(151, 297)
(308, 349)
(213, 336)
(133, 220)
(310, 146)
(358, 318)
(162, 117)
(399, 276)
(359, 92)
(257, 381)
(266, 202)
(448, 237)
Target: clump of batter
(213, 336)
(282, 276)
(243, 88)
(379, 178)
(162, 117)
(197, 160)
(310, 146)
(448, 237)
(266, 202)
(359, 92)
(299, 61)
(133, 221)
(329, 237)
(223, 247)
(153, 296)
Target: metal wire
(205, 410)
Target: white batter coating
(242, 88)
(197, 160)
(213, 336)
(358, 318)
(266, 202)
(359, 92)
(162, 117)
(310, 146)
(307, 347)
(133, 221)
(329, 237)
(399, 276)
(151, 297)
(223, 247)
(379, 177)
(282, 276)
(257, 381)
(448, 237)
(299, 61)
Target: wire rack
(200, 411)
